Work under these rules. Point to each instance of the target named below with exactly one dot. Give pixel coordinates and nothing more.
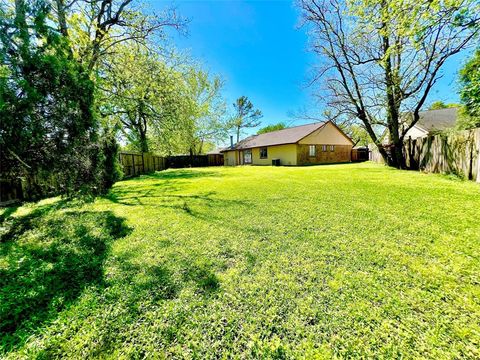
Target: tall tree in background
(381, 58)
(205, 114)
(270, 128)
(142, 95)
(245, 115)
(470, 91)
(438, 105)
(357, 133)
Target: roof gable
(329, 134)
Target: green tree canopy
(437, 105)
(273, 127)
(205, 117)
(141, 95)
(470, 91)
(48, 128)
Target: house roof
(285, 136)
(437, 120)
(430, 121)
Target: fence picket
(457, 152)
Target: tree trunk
(238, 134)
(363, 117)
(143, 144)
(142, 128)
(191, 157)
(21, 23)
(143, 140)
(396, 158)
(62, 22)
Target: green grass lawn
(354, 260)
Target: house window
(311, 150)
(332, 147)
(263, 153)
(324, 147)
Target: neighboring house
(316, 143)
(430, 123)
(433, 121)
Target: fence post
(133, 164)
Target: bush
(112, 169)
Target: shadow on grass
(177, 174)
(184, 174)
(163, 193)
(140, 281)
(166, 197)
(8, 212)
(203, 276)
(47, 259)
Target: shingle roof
(285, 136)
(437, 120)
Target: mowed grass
(353, 260)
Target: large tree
(245, 115)
(55, 57)
(381, 58)
(141, 94)
(205, 112)
(470, 91)
(96, 28)
(48, 127)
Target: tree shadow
(184, 174)
(166, 197)
(8, 212)
(178, 174)
(203, 276)
(153, 281)
(48, 258)
(162, 193)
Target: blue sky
(258, 50)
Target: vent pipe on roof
(231, 141)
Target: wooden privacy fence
(359, 154)
(215, 160)
(455, 153)
(134, 163)
(182, 161)
(140, 163)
